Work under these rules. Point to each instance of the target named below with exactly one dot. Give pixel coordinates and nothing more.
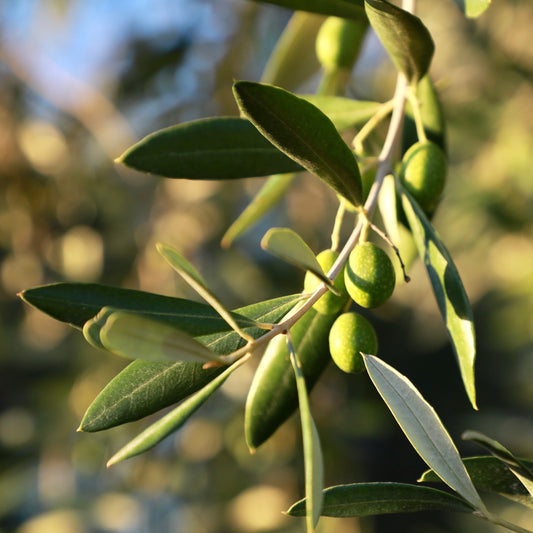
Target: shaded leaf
(366, 499)
(172, 421)
(76, 303)
(285, 66)
(273, 397)
(268, 196)
(404, 36)
(422, 427)
(489, 474)
(303, 132)
(516, 465)
(208, 149)
(313, 461)
(337, 8)
(448, 289)
(344, 112)
(289, 246)
(137, 337)
(143, 388)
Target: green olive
(423, 173)
(338, 42)
(369, 275)
(329, 303)
(351, 335)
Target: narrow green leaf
(367, 499)
(172, 421)
(489, 474)
(422, 427)
(337, 8)
(314, 467)
(273, 397)
(193, 278)
(387, 202)
(268, 196)
(516, 465)
(137, 337)
(303, 132)
(285, 67)
(404, 36)
(208, 149)
(143, 388)
(76, 303)
(289, 246)
(344, 112)
(473, 8)
(448, 289)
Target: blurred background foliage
(79, 82)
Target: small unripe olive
(369, 275)
(338, 42)
(350, 335)
(423, 173)
(329, 303)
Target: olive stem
(339, 217)
(417, 115)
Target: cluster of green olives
(368, 279)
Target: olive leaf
(143, 387)
(337, 8)
(344, 112)
(301, 131)
(172, 421)
(76, 303)
(490, 474)
(422, 427)
(268, 196)
(138, 337)
(208, 149)
(519, 468)
(404, 36)
(473, 8)
(367, 499)
(288, 245)
(285, 66)
(313, 461)
(193, 278)
(448, 288)
(273, 397)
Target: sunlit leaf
(193, 278)
(313, 462)
(143, 388)
(422, 427)
(366, 499)
(516, 465)
(304, 133)
(337, 8)
(285, 67)
(172, 421)
(288, 245)
(404, 36)
(344, 112)
(473, 8)
(137, 337)
(268, 196)
(489, 474)
(448, 289)
(208, 149)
